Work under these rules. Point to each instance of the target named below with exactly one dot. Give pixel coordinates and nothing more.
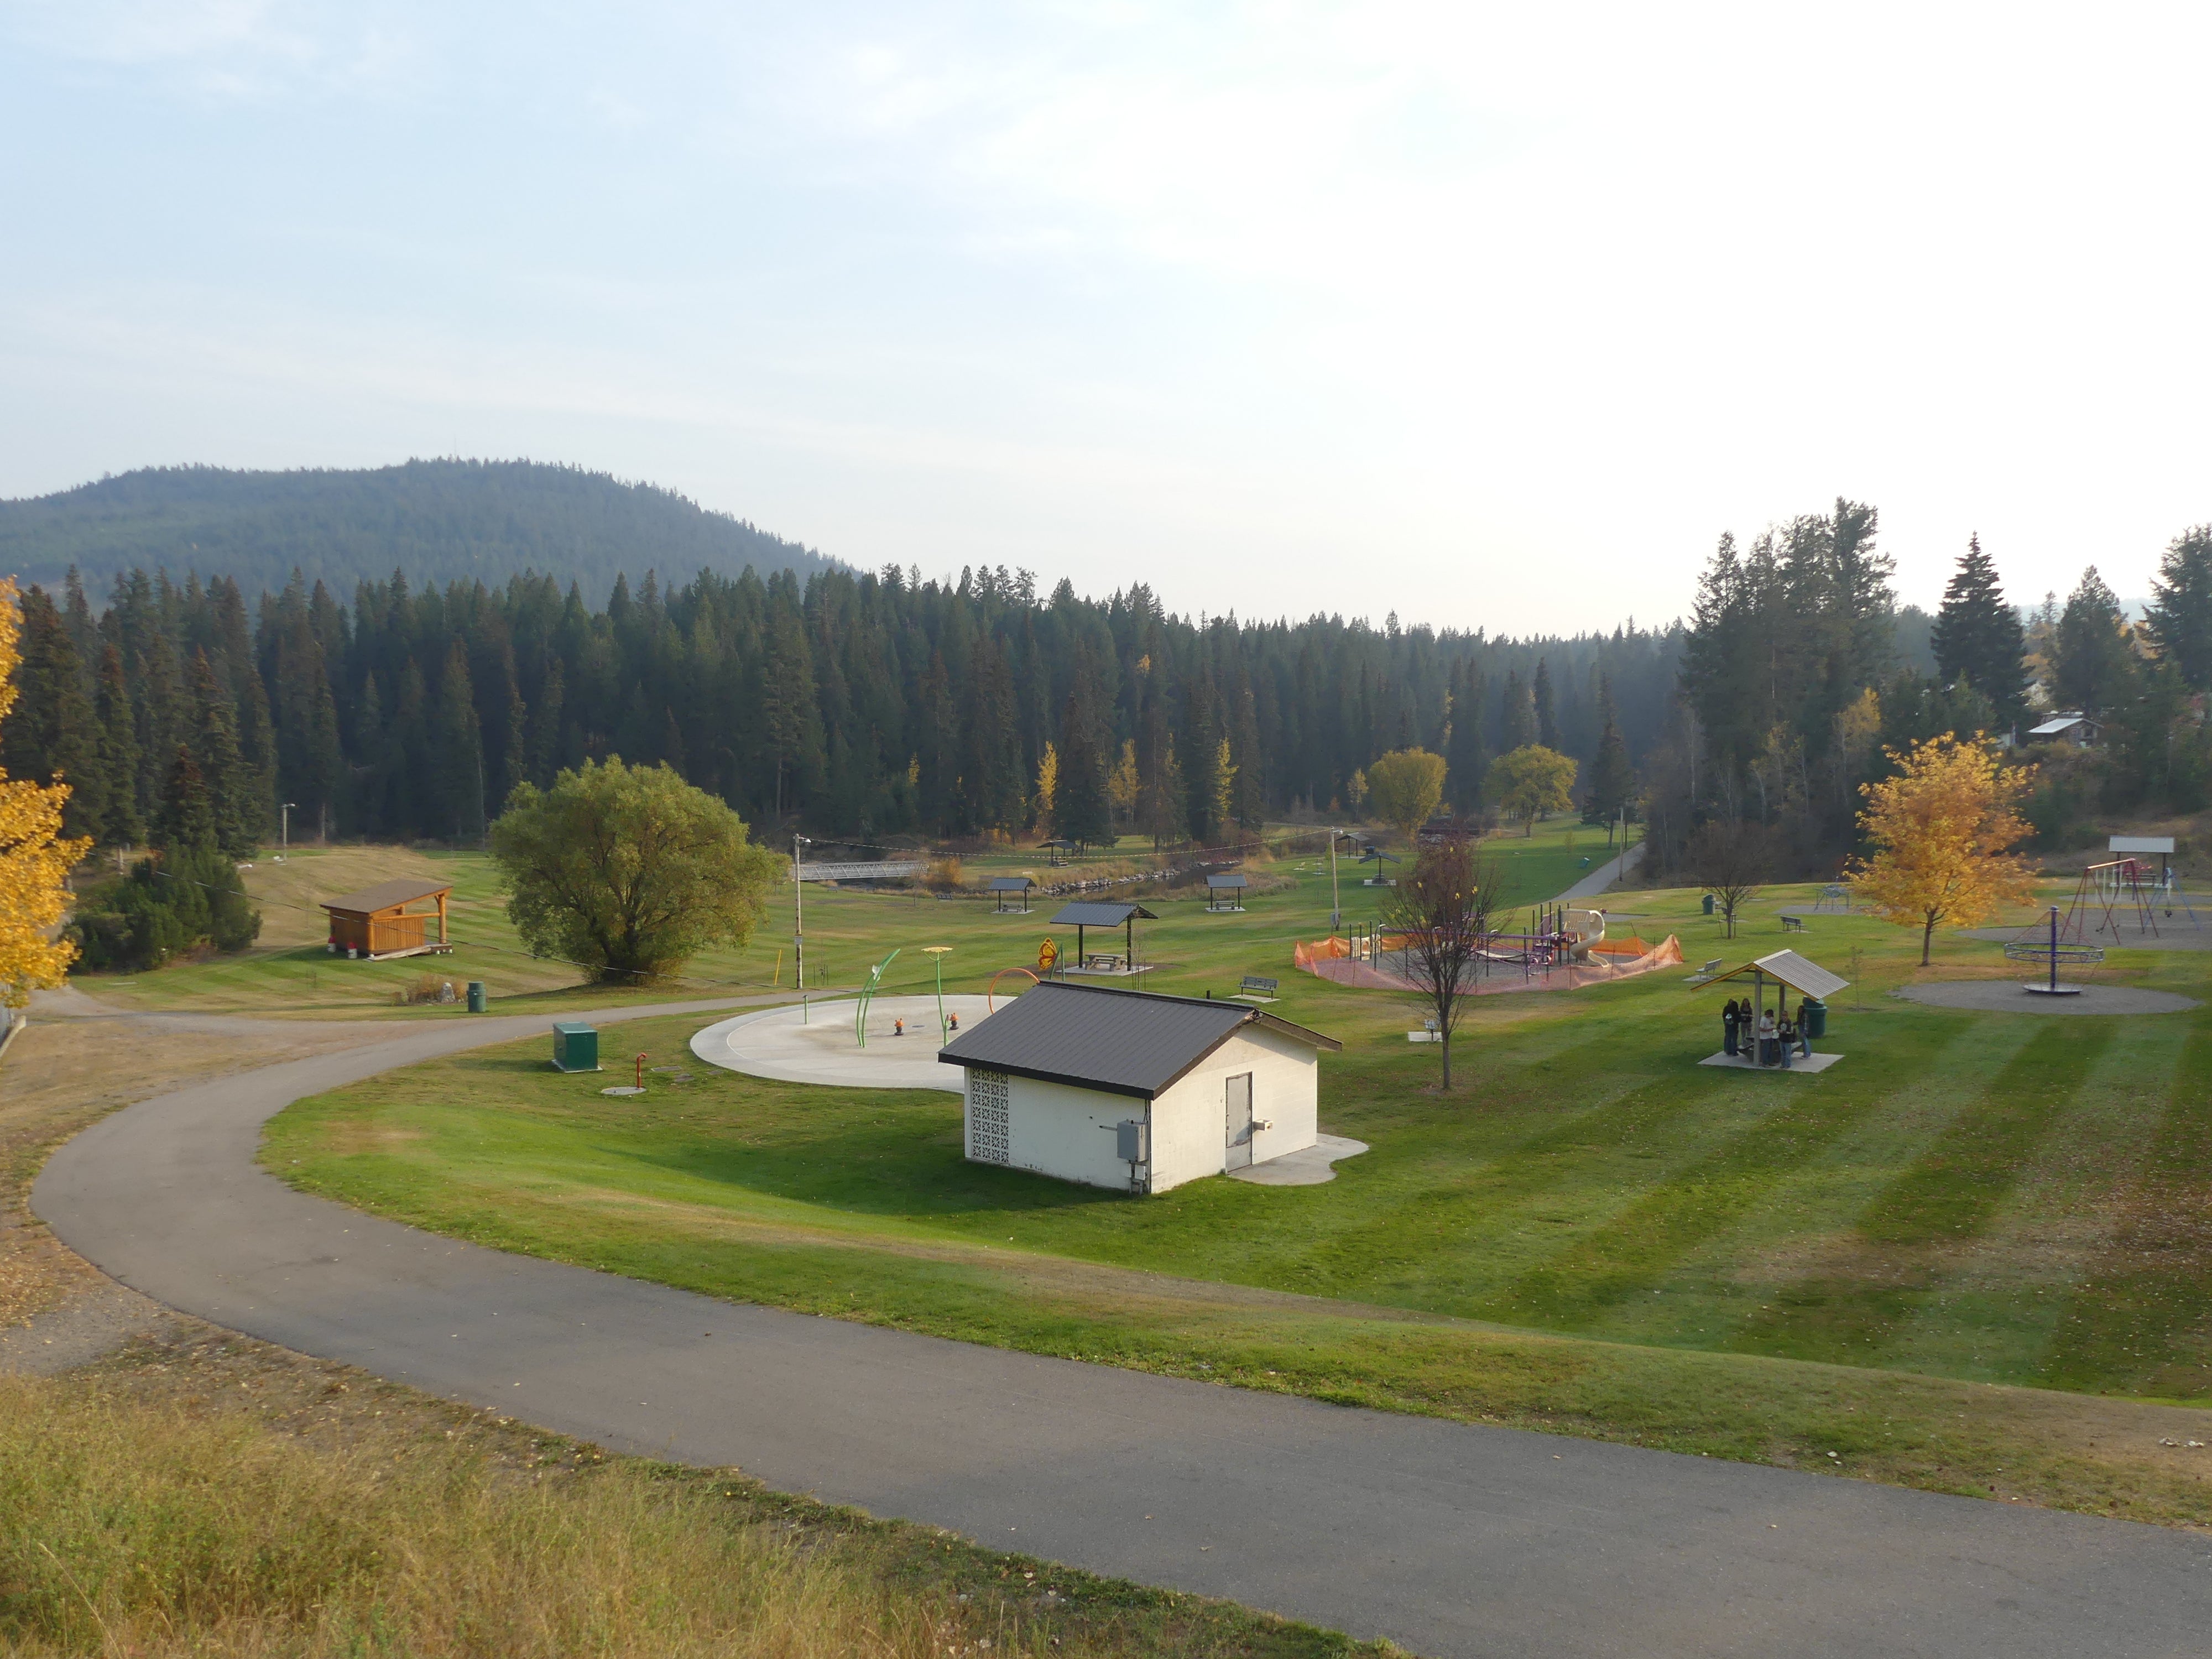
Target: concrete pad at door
(1307, 1167)
(818, 1044)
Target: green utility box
(1816, 1018)
(575, 1046)
(476, 996)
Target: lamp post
(799, 923)
(284, 809)
(937, 955)
(1335, 903)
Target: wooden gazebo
(377, 922)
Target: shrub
(170, 904)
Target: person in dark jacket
(1731, 1020)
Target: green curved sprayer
(867, 994)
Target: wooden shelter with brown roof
(377, 923)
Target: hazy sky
(1496, 315)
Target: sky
(1490, 318)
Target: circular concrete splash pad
(819, 1046)
(2006, 996)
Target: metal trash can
(1708, 904)
(476, 996)
(1816, 1018)
(575, 1046)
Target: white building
(1135, 1090)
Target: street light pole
(1335, 903)
(799, 923)
(284, 809)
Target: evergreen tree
(2180, 619)
(1465, 758)
(1517, 717)
(1979, 638)
(122, 824)
(1080, 804)
(1547, 722)
(788, 705)
(2094, 669)
(188, 818)
(1612, 783)
(457, 744)
(240, 816)
(50, 734)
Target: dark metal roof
(1008, 885)
(1097, 1037)
(1376, 854)
(1086, 914)
(1231, 880)
(400, 889)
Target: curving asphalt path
(1453, 1540)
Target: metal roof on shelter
(1008, 885)
(1232, 879)
(385, 894)
(1792, 971)
(1097, 1037)
(1087, 913)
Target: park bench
(1257, 987)
(1793, 924)
(1704, 973)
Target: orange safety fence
(1331, 959)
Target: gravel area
(2003, 996)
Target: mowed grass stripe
(2142, 1323)
(1638, 1246)
(1878, 1278)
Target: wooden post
(442, 939)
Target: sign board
(2142, 844)
(1047, 956)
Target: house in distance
(1136, 1090)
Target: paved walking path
(1453, 1540)
(1604, 875)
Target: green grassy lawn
(290, 973)
(1592, 1233)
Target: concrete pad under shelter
(1797, 1062)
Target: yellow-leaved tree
(34, 859)
(1939, 829)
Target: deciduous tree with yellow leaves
(1939, 829)
(34, 859)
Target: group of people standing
(1777, 1038)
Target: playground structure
(1835, 900)
(1561, 949)
(2046, 944)
(2109, 896)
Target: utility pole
(285, 810)
(1335, 903)
(799, 923)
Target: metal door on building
(1237, 1127)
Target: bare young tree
(1445, 906)
(1731, 860)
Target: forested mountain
(441, 521)
(865, 705)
